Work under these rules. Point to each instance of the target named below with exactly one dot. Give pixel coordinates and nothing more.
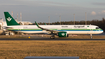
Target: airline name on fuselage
(25, 27)
(75, 26)
(79, 26)
(64, 26)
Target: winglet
(36, 24)
(45, 23)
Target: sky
(40, 10)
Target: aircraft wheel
(67, 35)
(52, 37)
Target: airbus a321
(53, 30)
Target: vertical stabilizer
(10, 20)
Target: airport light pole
(74, 19)
(12, 13)
(85, 18)
(49, 19)
(21, 17)
(60, 19)
(17, 16)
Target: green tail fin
(10, 20)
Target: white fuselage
(70, 29)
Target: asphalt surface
(60, 39)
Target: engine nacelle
(62, 34)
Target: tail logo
(9, 19)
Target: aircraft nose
(102, 30)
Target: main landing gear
(52, 37)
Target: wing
(46, 29)
(58, 33)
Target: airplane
(53, 30)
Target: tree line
(100, 23)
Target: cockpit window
(97, 28)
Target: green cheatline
(54, 29)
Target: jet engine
(62, 34)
